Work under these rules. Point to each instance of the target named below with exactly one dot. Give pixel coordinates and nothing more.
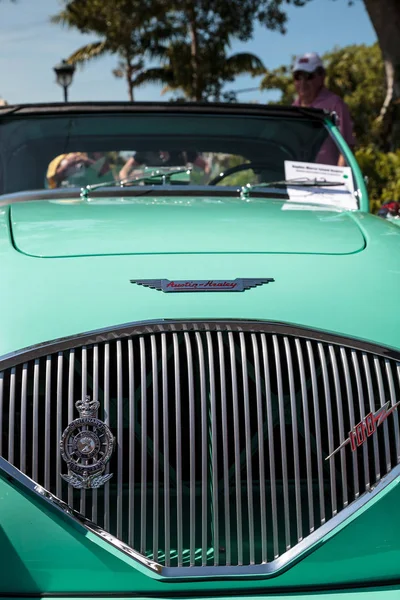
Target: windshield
(221, 150)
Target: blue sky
(31, 46)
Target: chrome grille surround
(239, 418)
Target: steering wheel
(255, 166)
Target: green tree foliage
(130, 29)
(190, 38)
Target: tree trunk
(194, 51)
(385, 18)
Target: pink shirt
(329, 153)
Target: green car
(199, 357)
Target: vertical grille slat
(47, 424)
(132, 439)
(96, 398)
(204, 452)
(11, 416)
(192, 445)
(392, 392)
(372, 409)
(107, 422)
(327, 396)
(293, 409)
(167, 506)
(238, 482)
(154, 365)
(339, 406)
(24, 383)
(143, 486)
(233, 443)
(83, 396)
(249, 473)
(261, 461)
(59, 420)
(35, 423)
(271, 451)
(304, 399)
(120, 438)
(349, 393)
(383, 401)
(282, 428)
(178, 429)
(356, 366)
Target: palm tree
(214, 69)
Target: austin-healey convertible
(199, 357)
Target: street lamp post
(64, 73)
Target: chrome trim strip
(149, 327)
(14, 476)
(47, 424)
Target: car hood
(67, 228)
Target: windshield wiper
(151, 176)
(245, 190)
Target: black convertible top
(57, 108)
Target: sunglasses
(302, 75)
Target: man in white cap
(309, 79)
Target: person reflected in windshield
(67, 167)
(162, 159)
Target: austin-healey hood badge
(86, 446)
(202, 285)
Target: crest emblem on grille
(86, 445)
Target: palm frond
(88, 52)
(155, 75)
(245, 62)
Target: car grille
(222, 431)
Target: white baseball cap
(308, 62)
